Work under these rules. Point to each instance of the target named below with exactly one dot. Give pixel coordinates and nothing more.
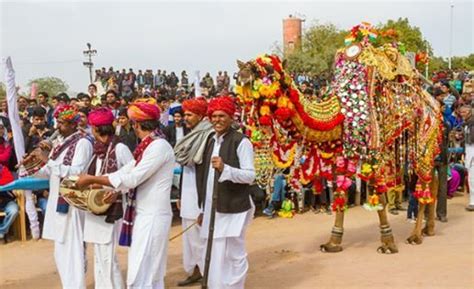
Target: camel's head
(264, 67)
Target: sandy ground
(284, 253)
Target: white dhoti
(32, 214)
(229, 264)
(69, 252)
(107, 273)
(148, 253)
(470, 168)
(193, 247)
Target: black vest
(231, 197)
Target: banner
(13, 114)
(197, 84)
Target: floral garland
(326, 118)
(283, 155)
(363, 32)
(310, 167)
(351, 88)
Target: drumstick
(182, 232)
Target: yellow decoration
(283, 102)
(285, 164)
(374, 200)
(316, 135)
(264, 110)
(366, 169)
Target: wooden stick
(182, 232)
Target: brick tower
(292, 31)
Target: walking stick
(210, 236)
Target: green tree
(409, 35)
(319, 45)
(51, 85)
(463, 62)
(3, 92)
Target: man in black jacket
(176, 131)
(223, 183)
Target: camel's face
(246, 75)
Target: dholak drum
(91, 200)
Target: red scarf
(138, 152)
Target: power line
(49, 62)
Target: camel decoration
(374, 121)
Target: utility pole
(450, 35)
(89, 64)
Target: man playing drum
(147, 220)
(109, 156)
(63, 223)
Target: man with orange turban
(186, 151)
(223, 185)
(148, 179)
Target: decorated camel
(374, 121)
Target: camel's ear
(240, 64)
(283, 64)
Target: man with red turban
(189, 152)
(148, 179)
(102, 231)
(223, 184)
(64, 224)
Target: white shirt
(96, 230)
(55, 223)
(189, 196)
(179, 134)
(152, 177)
(229, 225)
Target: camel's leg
(416, 237)
(388, 242)
(430, 222)
(334, 244)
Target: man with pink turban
(148, 179)
(102, 231)
(223, 186)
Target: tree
(463, 62)
(318, 47)
(3, 92)
(51, 85)
(410, 36)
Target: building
(292, 32)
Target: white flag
(13, 114)
(197, 84)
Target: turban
(66, 113)
(101, 116)
(223, 103)
(196, 105)
(144, 109)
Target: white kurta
(104, 235)
(152, 177)
(193, 244)
(470, 167)
(229, 265)
(66, 229)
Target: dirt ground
(284, 253)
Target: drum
(90, 200)
(31, 164)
